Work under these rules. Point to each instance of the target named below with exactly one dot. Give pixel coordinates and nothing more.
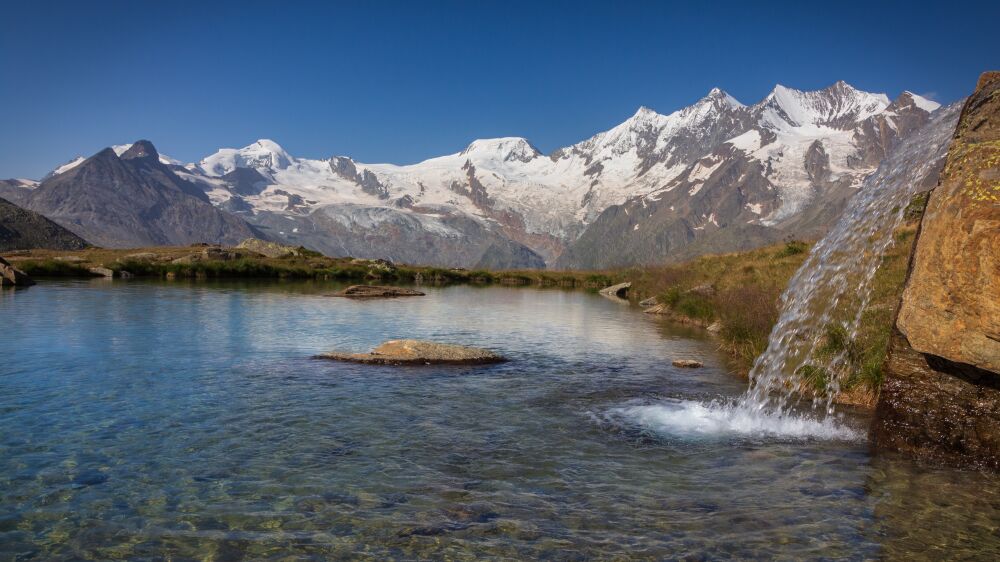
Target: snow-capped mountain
(782, 165)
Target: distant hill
(21, 229)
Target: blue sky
(403, 81)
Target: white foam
(685, 418)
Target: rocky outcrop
(11, 276)
(951, 304)
(376, 291)
(941, 396)
(21, 229)
(416, 352)
(269, 249)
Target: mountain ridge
(803, 148)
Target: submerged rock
(376, 291)
(12, 276)
(941, 396)
(417, 352)
(688, 363)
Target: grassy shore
(178, 262)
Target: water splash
(837, 275)
(686, 419)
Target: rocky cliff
(21, 229)
(941, 397)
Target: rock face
(416, 352)
(11, 276)
(951, 305)
(21, 229)
(376, 291)
(941, 397)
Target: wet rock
(11, 276)
(376, 291)
(434, 530)
(416, 352)
(688, 363)
(471, 513)
(89, 478)
(935, 410)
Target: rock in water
(12, 276)
(688, 363)
(941, 397)
(416, 352)
(376, 291)
(619, 291)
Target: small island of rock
(376, 291)
(416, 352)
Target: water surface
(150, 420)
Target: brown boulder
(11, 276)
(376, 291)
(688, 363)
(951, 304)
(416, 352)
(941, 397)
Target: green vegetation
(193, 262)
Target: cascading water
(834, 285)
(831, 289)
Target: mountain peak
(268, 144)
(506, 148)
(923, 103)
(141, 149)
(839, 105)
(719, 95)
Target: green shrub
(792, 247)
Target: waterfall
(834, 285)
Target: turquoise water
(187, 421)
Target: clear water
(186, 421)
